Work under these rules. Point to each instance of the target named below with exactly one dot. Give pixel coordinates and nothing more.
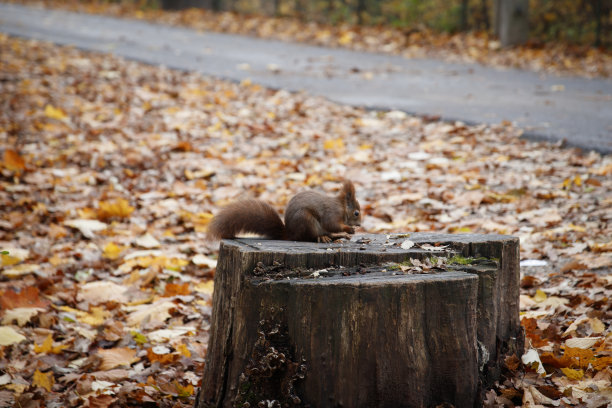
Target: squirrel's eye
(356, 213)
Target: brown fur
(310, 216)
(247, 215)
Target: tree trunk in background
(484, 7)
(511, 23)
(361, 11)
(185, 4)
(597, 10)
(463, 15)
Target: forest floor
(111, 170)
(558, 57)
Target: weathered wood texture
(359, 334)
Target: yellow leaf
(119, 208)
(96, 317)
(87, 213)
(112, 251)
(8, 260)
(578, 180)
(55, 113)
(47, 347)
(567, 183)
(346, 38)
(334, 144)
(539, 296)
(205, 287)
(44, 380)
(572, 374)
(13, 161)
(183, 392)
(20, 270)
(182, 349)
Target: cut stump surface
(349, 324)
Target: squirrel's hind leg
(303, 225)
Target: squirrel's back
(247, 215)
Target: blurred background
(578, 22)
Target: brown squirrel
(309, 216)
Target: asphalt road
(576, 110)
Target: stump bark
(341, 325)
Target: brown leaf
(101, 401)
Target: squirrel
(309, 216)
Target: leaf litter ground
(111, 170)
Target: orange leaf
(44, 380)
(162, 358)
(27, 297)
(174, 289)
(13, 161)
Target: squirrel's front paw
(324, 239)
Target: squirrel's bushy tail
(248, 215)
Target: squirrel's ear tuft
(348, 190)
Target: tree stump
(342, 324)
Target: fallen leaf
(96, 317)
(13, 161)
(540, 296)
(118, 208)
(9, 336)
(20, 315)
(102, 291)
(112, 251)
(572, 374)
(176, 289)
(55, 113)
(147, 241)
(184, 392)
(582, 343)
(532, 359)
(115, 357)
(20, 270)
(597, 325)
(205, 287)
(161, 354)
(407, 244)
(28, 297)
(203, 260)
(157, 312)
(47, 347)
(87, 227)
(165, 335)
(44, 380)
